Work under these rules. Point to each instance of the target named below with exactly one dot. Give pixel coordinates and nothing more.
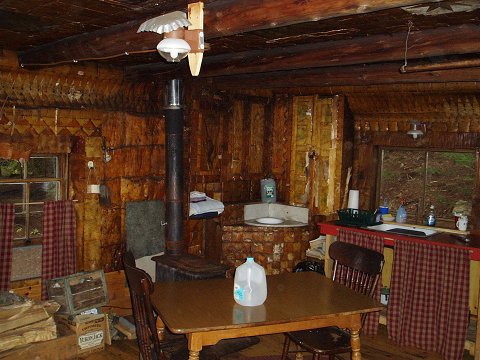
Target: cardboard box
(91, 331)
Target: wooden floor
(378, 348)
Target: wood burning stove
(177, 264)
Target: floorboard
(374, 348)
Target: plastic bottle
(431, 220)
(401, 214)
(250, 284)
(268, 190)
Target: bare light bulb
(172, 49)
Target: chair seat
(327, 340)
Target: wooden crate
(79, 292)
(62, 348)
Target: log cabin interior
(317, 95)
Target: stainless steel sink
(403, 230)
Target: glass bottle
(401, 216)
(431, 220)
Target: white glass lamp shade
(172, 49)
(415, 133)
(415, 130)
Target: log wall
(232, 138)
(74, 110)
(235, 140)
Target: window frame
(62, 179)
(426, 150)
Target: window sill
(27, 242)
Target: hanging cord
(56, 121)
(14, 117)
(403, 68)
(75, 61)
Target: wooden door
(318, 165)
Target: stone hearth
(277, 249)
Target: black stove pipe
(174, 240)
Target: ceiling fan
(177, 42)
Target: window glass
(28, 186)
(422, 178)
(10, 169)
(35, 224)
(44, 191)
(12, 193)
(20, 225)
(42, 167)
(450, 179)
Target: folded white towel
(209, 205)
(196, 195)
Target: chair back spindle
(141, 287)
(355, 267)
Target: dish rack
(354, 217)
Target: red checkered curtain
(428, 305)
(372, 242)
(7, 217)
(58, 247)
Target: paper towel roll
(353, 196)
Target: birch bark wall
(72, 110)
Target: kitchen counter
(449, 238)
(440, 238)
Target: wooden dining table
(206, 312)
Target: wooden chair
(355, 267)
(155, 345)
(141, 287)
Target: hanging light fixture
(416, 129)
(173, 49)
(178, 42)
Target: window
(426, 177)
(27, 185)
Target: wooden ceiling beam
(463, 39)
(221, 18)
(355, 75)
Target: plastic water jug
(250, 284)
(268, 190)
